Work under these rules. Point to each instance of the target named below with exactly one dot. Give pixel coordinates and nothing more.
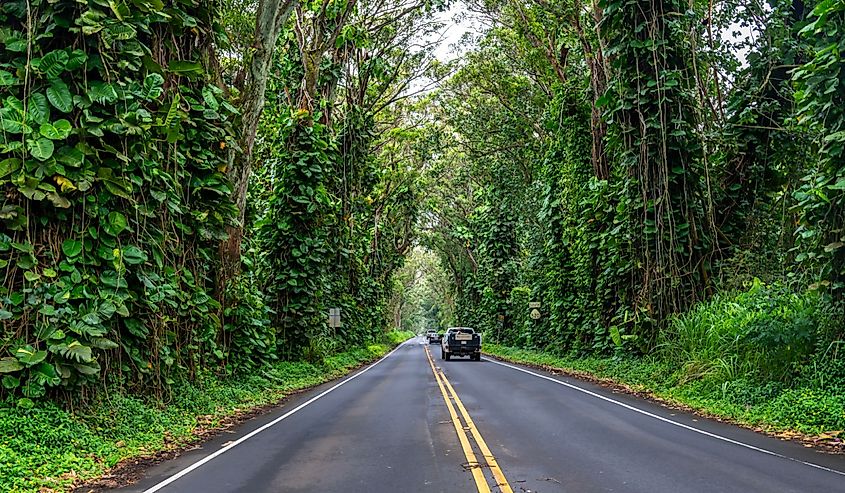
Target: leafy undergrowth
(48, 448)
(816, 410)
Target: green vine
(653, 114)
(111, 160)
(821, 106)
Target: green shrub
(765, 333)
(398, 336)
(746, 392)
(826, 370)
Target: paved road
(391, 428)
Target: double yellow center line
(450, 395)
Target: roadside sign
(535, 314)
(533, 304)
(334, 317)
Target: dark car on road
(461, 341)
(433, 336)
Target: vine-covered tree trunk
(654, 117)
(114, 199)
(594, 56)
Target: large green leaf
(71, 247)
(45, 374)
(76, 59)
(115, 223)
(74, 351)
(136, 328)
(41, 148)
(29, 356)
(210, 100)
(92, 368)
(26, 261)
(9, 166)
(103, 343)
(38, 109)
(63, 127)
(172, 111)
(119, 187)
(23, 247)
(107, 309)
(113, 280)
(11, 122)
(59, 96)
(119, 32)
(58, 130)
(133, 255)
(58, 200)
(10, 365)
(10, 382)
(14, 103)
(153, 86)
(16, 44)
(91, 318)
(53, 64)
(70, 156)
(183, 67)
(6, 78)
(102, 92)
(122, 310)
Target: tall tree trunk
(269, 19)
(598, 83)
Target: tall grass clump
(767, 333)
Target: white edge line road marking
(665, 420)
(209, 458)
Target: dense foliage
(114, 199)
(122, 124)
(622, 163)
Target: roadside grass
(772, 406)
(49, 448)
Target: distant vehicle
(460, 341)
(433, 336)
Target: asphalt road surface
(414, 423)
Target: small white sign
(535, 314)
(533, 304)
